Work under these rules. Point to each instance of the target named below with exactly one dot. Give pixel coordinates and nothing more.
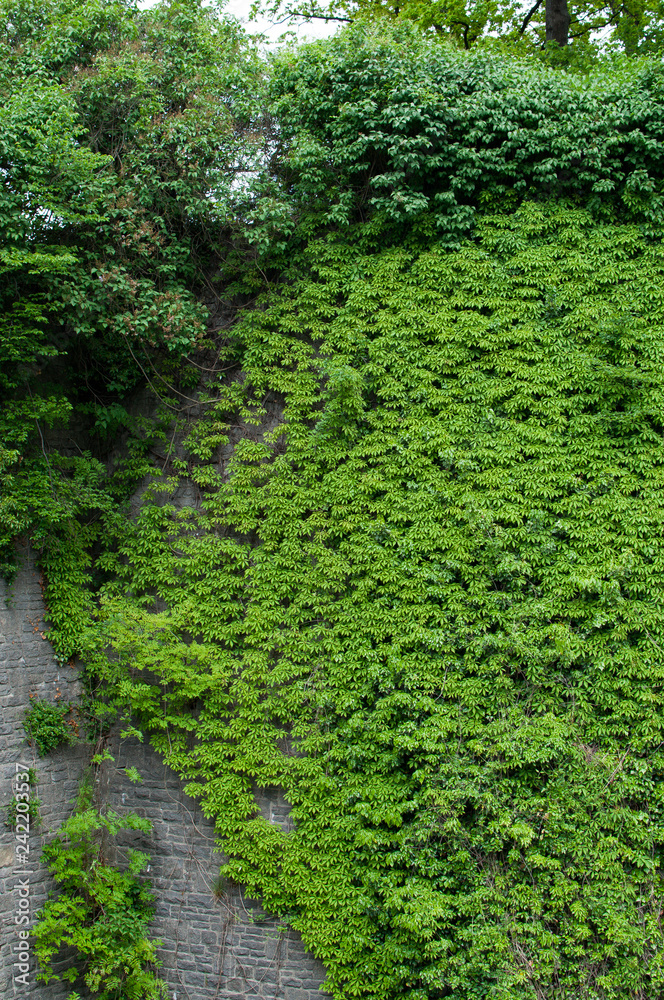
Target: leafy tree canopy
(635, 26)
(396, 128)
(116, 127)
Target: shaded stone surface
(214, 945)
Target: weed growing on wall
(46, 726)
(99, 909)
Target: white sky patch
(273, 30)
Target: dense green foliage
(390, 127)
(45, 724)
(116, 129)
(440, 633)
(424, 595)
(100, 910)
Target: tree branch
(526, 20)
(466, 28)
(290, 14)
(323, 17)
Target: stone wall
(217, 944)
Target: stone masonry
(216, 943)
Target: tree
(635, 26)
(557, 21)
(115, 126)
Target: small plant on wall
(100, 910)
(46, 726)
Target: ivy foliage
(434, 618)
(100, 910)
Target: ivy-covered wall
(28, 669)
(216, 942)
(389, 536)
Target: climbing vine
(434, 617)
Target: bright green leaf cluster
(45, 724)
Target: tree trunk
(557, 21)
